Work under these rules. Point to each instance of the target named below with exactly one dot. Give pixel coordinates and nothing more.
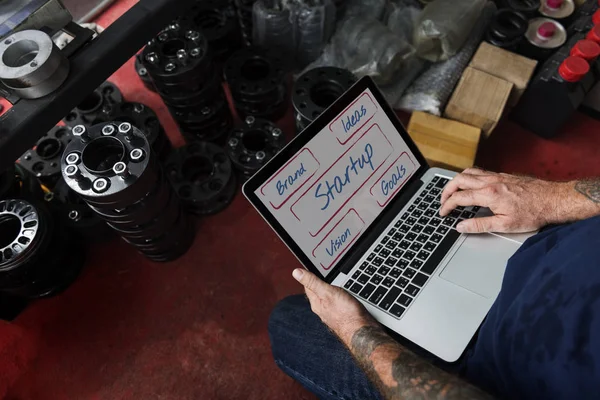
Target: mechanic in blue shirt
(541, 339)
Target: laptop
(355, 201)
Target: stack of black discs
(184, 74)
(244, 14)
(43, 160)
(203, 177)
(507, 29)
(75, 214)
(317, 89)
(38, 258)
(217, 21)
(253, 144)
(257, 80)
(142, 73)
(112, 167)
(96, 107)
(143, 118)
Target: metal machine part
(184, 74)
(49, 16)
(96, 108)
(543, 37)
(257, 80)
(203, 177)
(252, 145)
(38, 258)
(74, 213)
(31, 65)
(315, 90)
(43, 160)
(217, 21)
(111, 166)
(142, 72)
(146, 120)
(507, 29)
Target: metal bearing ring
(31, 65)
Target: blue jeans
(305, 349)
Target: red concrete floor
(196, 328)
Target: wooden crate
(479, 100)
(444, 143)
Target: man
(541, 338)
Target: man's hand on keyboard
(341, 312)
(519, 203)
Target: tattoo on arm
(400, 374)
(590, 189)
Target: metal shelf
(28, 120)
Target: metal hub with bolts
(253, 144)
(43, 160)
(119, 178)
(258, 83)
(315, 90)
(203, 177)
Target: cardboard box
(505, 65)
(479, 100)
(444, 143)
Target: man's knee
(287, 314)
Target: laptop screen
(336, 185)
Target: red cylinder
(586, 49)
(573, 69)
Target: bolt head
(195, 52)
(136, 155)
(72, 158)
(72, 172)
(277, 132)
(74, 215)
(192, 35)
(138, 108)
(152, 58)
(79, 130)
(125, 127)
(100, 185)
(233, 142)
(260, 155)
(108, 130)
(170, 67)
(205, 111)
(181, 54)
(250, 120)
(163, 37)
(142, 72)
(174, 26)
(121, 169)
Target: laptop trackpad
(479, 264)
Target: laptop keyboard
(396, 270)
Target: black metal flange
(217, 20)
(203, 177)
(253, 144)
(315, 90)
(257, 80)
(96, 107)
(38, 258)
(212, 124)
(145, 119)
(43, 160)
(112, 167)
(142, 72)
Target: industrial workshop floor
(196, 328)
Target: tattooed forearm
(590, 189)
(400, 374)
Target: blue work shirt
(541, 339)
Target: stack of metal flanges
(253, 144)
(258, 83)
(112, 167)
(274, 27)
(184, 74)
(95, 107)
(217, 21)
(38, 257)
(43, 160)
(317, 89)
(316, 24)
(244, 14)
(203, 177)
(146, 120)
